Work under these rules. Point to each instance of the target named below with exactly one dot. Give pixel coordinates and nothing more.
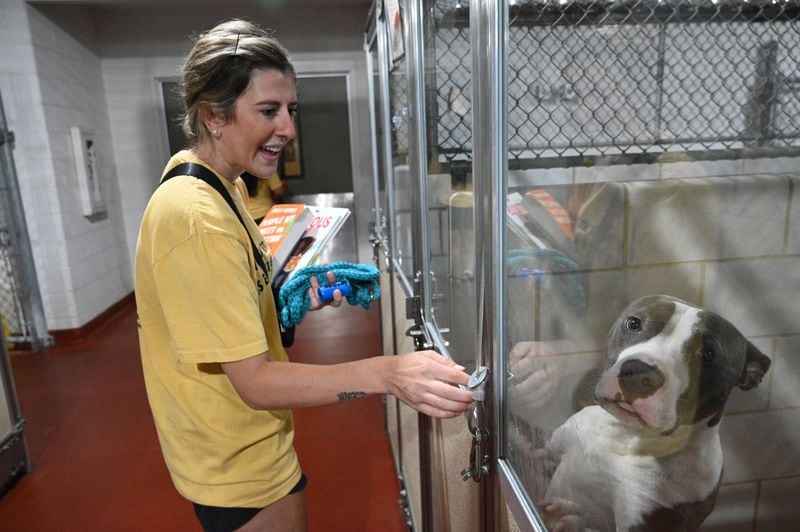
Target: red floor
(96, 464)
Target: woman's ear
(212, 121)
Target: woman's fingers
(436, 405)
(427, 381)
(313, 293)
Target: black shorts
(219, 519)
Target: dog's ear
(755, 366)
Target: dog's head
(669, 363)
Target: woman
(218, 380)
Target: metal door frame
(488, 34)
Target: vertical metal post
(14, 458)
(418, 162)
(370, 42)
(384, 61)
(29, 296)
(768, 81)
(417, 140)
(489, 42)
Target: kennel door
(650, 152)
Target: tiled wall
(50, 82)
(723, 235)
(56, 75)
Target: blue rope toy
(362, 280)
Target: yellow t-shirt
(201, 300)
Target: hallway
(96, 464)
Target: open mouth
(271, 152)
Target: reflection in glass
(402, 193)
(654, 157)
(450, 218)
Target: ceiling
(160, 27)
(188, 4)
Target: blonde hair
(218, 70)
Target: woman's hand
(426, 381)
(534, 373)
(313, 294)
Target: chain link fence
(11, 316)
(21, 310)
(630, 80)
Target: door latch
(479, 454)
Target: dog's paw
(562, 515)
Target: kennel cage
(636, 119)
(23, 322)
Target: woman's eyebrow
(274, 102)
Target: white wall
(137, 122)
(138, 131)
(51, 83)
(98, 68)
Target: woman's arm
(423, 380)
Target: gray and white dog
(648, 457)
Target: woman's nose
(287, 127)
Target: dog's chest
(617, 477)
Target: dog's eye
(706, 354)
(633, 324)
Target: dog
(647, 455)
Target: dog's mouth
(636, 412)
(625, 405)
(621, 409)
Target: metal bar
(545, 13)
(518, 500)
(417, 148)
(662, 39)
(489, 43)
(384, 61)
(417, 141)
(369, 42)
(14, 457)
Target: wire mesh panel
(21, 307)
(11, 308)
(11, 315)
(660, 144)
(632, 78)
(403, 186)
(453, 84)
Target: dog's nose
(639, 379)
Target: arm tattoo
(344, 396)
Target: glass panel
(402, 184)
(450, 229)
(653, 153)
(382, 209)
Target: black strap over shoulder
(201, 172)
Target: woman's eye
(633, 324)
(268, 112)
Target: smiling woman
(261, 125)
(218, 379)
